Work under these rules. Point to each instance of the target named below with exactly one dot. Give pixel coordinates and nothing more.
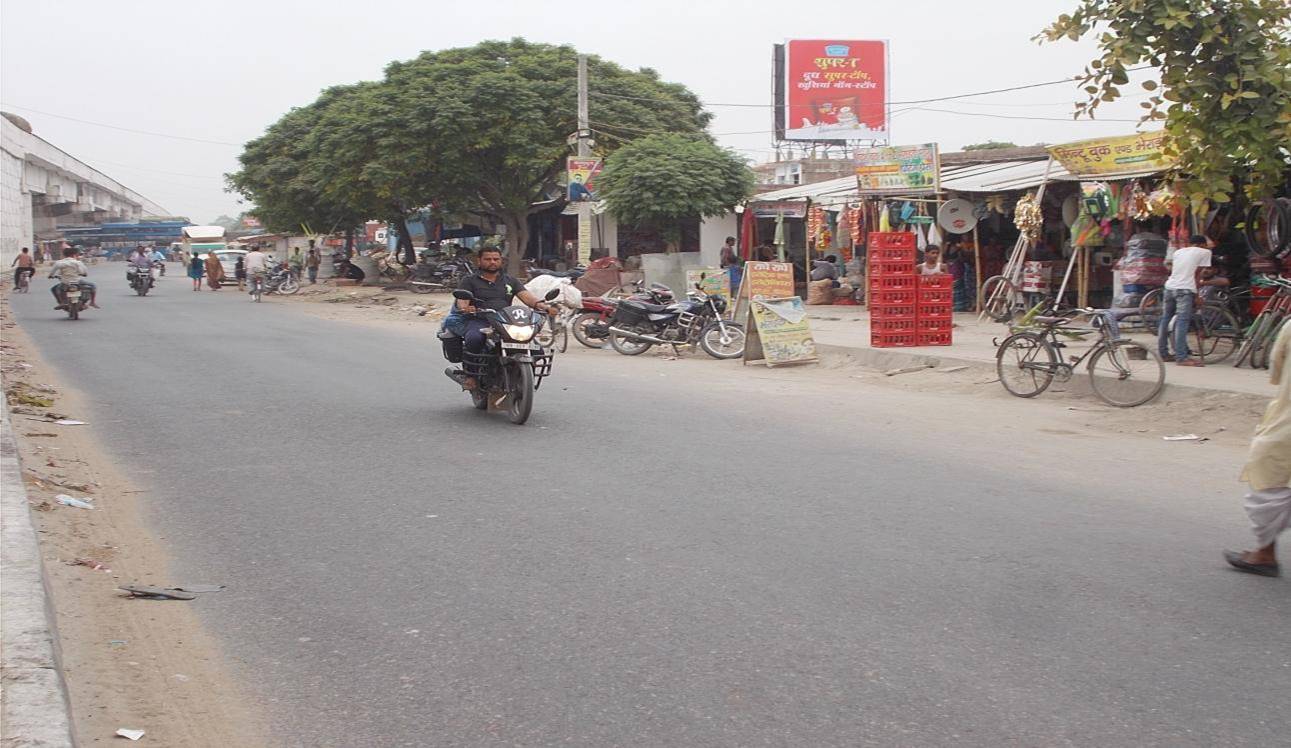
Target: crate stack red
(934, 315)
(894, 290)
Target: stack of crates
(934, 315)
(894, 290)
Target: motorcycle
(591, 326)
(75, 300)
(637, 326)
(429, 276)
(281, 281)
(141, 279)
(159, 266)
(512, 366)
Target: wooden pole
(977, 271)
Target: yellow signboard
(778, 332)
(584, 233)
(1108, 156)
(710, 281)
(768, 280)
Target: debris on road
(66, 500)
(1185, 438)
(70, 422)
(198, 587)
(129, 734)
(95, 565)
(156, 593)
(952, 369)
(907, 370)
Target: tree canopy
(660, 180)
(990, 145)
(1225, 87)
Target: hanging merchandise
(1138, 207)
(934, 236)
(815, 217)
(885, 219)
(1028, 218)
(999, 204)
(1070, 210)
(857, 224)
(920, 238)
(1163, 202)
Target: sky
(205, 77)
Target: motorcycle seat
(649, 308)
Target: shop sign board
(903, 169)
(778, 332)
(773, 208)
(836, 90)
(1143, 152)
(768, 280)
(581, 174)
(710, 281)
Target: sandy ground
(132, 663)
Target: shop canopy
(1000, 176)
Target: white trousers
(1270, 513)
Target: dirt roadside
(128, 663)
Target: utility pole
(584, 151)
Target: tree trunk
(405, 241)
(517, 240)
(349, 242)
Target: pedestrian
(240, 272)
(214, 271)
(1268, 470)
(311, 264)
(196, 269)
(730, 255)
(1179, 299)
(23, 265)
(297, 263)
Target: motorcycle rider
(159, 260)
(69, 270)
(140, 262)
(256, 263)
(493, 289)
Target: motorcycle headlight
(519, 333)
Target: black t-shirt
(495, 295)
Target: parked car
(228, 261)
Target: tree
(1225, 83)
(661, 180)
(990, 145)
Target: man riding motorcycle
(256, 264)
(493, 289)
(69, 270)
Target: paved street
(680, 553)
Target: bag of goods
(820, 292)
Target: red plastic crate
(891, 240)
(893, 254)
(893, 311)
(880, 324)
(936, 296)
(941, 280)
(893, 339)
(935, 311)
(933, 324)
(894, 296)
(933, 338)
(892, 283)
(881, 268)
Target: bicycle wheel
(1025, 363)
(1251, 335)
(999, 296)
(1216, 333)
(1125, 373)
(561, 335)
(1264, 344)
(1150, 309)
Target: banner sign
(768, 280)
(836, 90)
(710, 281)
(773, 208)
(581, 173)
(778, 332)
(898, 169)
(1104, 156)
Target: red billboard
(836, 90)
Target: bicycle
(1264, 330)
(555, 334)
(1215, 330)
(1122, 372)
(257, 286)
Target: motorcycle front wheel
(627, 346)
(288, 286)
(722, 346)
(520, 392)
(579, 324)
(141, 289)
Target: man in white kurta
(1268, 470)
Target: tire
(520, 394)
(480, 399)
(1126, 374)
(288, 286)
(1025, 363)
(1001, 309)
(74, 310)
(578, 324)
(1217, 333)
(562, 338)
(1150, 309)
(1264, 344)
(710, 339)
(629, 347)
(140, 289)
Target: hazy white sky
(222, 71)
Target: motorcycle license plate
(73, 295)
(518, 346)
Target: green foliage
(660, 180)
(990, 145)
(1225, 88)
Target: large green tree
(1225, 84)
(661, 180)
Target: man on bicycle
(1179, 299)
(256, 263)
(24, 267)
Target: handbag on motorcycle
(452, 346)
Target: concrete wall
(669, 269)
(15, 209)
(712, 235)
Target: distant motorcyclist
(493, 289)
(71, 270)
(256, 263)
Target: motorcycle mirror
(463, 295)
(552, 294)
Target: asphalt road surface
(678, 553)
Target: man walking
(1180, 299)
(1268, 470)
(296, 262)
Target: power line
(1017, 116)
(123, 129)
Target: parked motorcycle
(591, 326)
(141, 279)
(281, 281)
(512, 366)
(429, 276)
(637, 326)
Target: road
(676, 553)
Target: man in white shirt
(1179, 299)
(257, 265)
(70, 269)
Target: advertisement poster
(710, 280)
(780, 332)
(1103, 156)
(582, 174)
(768, 280)
(786, 208)
(584, 234)
(898, 168)
(836, 90)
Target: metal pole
(583, 126)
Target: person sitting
(71, 270)
(826, 269)
(932, 264)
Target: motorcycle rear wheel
(629, 347)
(520, 393)
(480, 399)
(579, 322)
